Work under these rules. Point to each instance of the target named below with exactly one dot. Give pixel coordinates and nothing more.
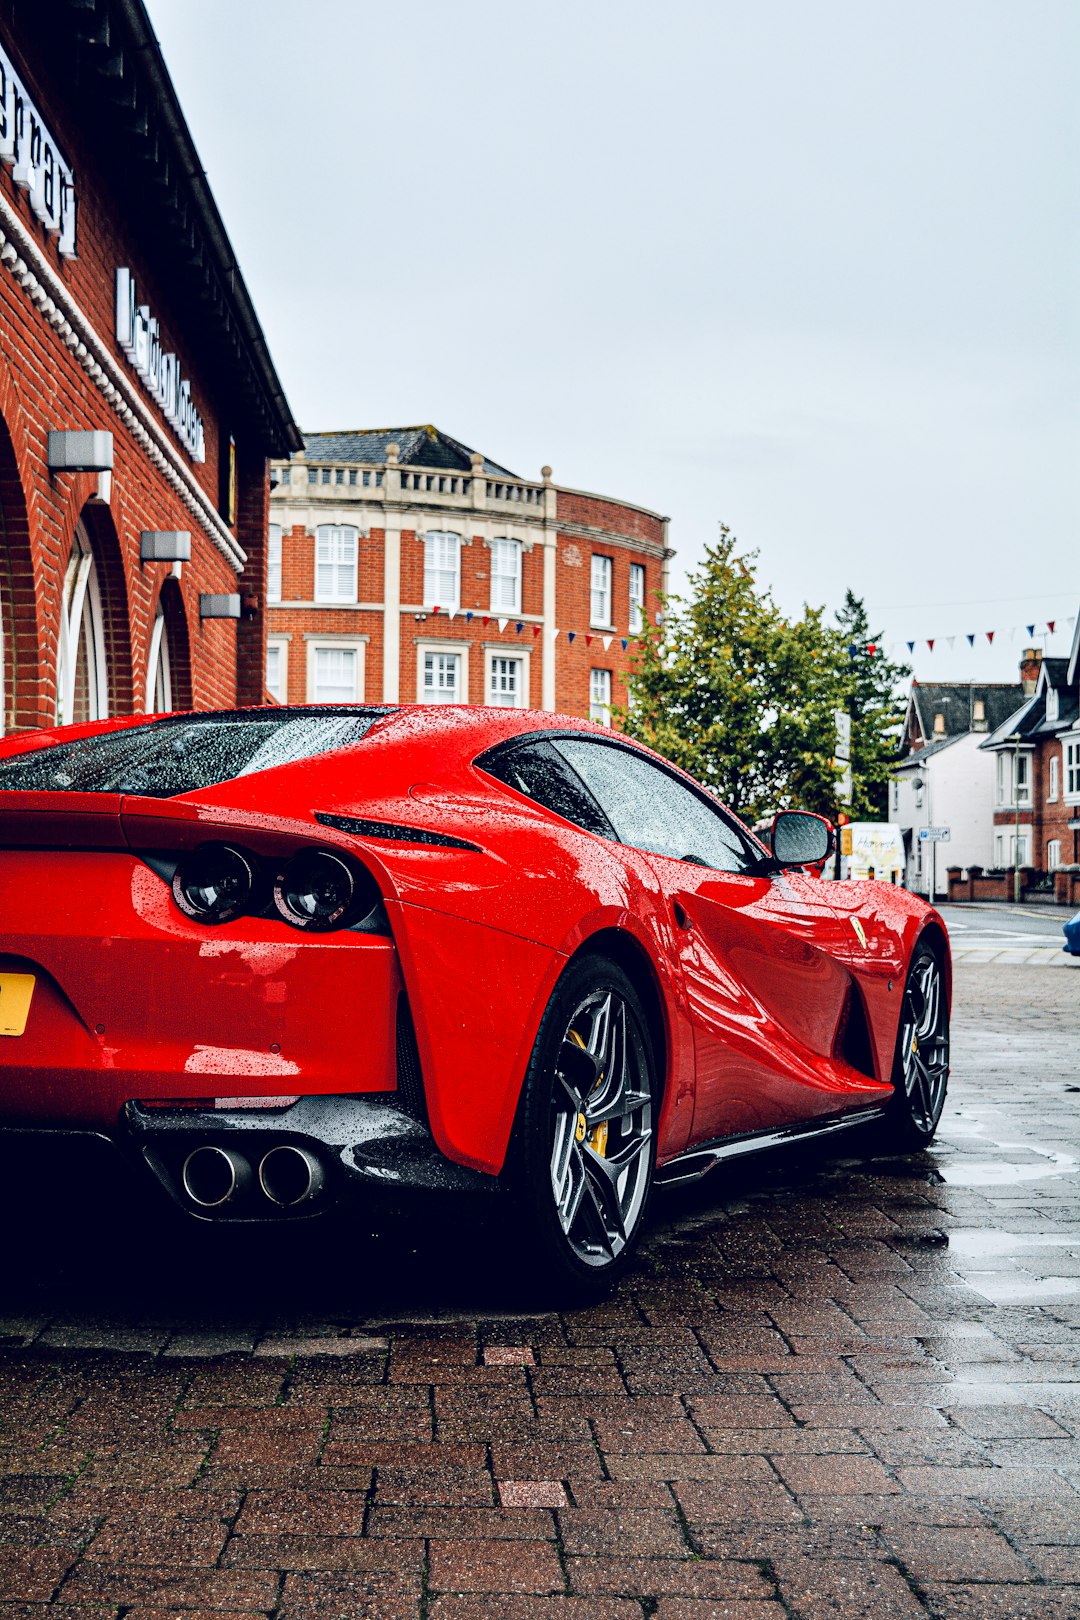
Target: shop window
(82, 685)
(336, 546)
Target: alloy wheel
(602, 1127)
(924, 1043)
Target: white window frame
(281, 645)
(601, 571)
(504, 548)
(320, 643)
(1015, 776)
(159, 666)
(423, 648)
(1051, 702)
(1053, 854)
(521, 656)
(1072, 769)
(342, 545)
(600, 696)
(273, 562)
(1054, 791)
(637, 598)
(439, 571)
(81, 614)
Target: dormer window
(939, 725)
(1051, 703)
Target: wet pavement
(831, 1387)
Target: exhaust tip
(290, 1175)
(212, 1175)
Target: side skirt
(691, 1166)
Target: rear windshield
(183, 753)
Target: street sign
(843, 736)
(936, 835)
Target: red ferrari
(283, 956)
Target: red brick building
(406, 567)
(1037, 778)
(138, 403)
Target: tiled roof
(423, 446)
(955, 701)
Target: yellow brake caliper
(599, 1133)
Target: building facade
(944, 779)
(406, 567)
(1035, 756)
(138, 403)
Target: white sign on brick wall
(28, 149)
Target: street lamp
(1015, 740)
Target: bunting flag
(538, 630)
(453, 612)
(607, 640)
(469, 617)
(486, 620)
(952, 642)
(911, 646)
(990, 637)
(434, 611)
(555, 634)
(502, 625)
(588, 641)
(1031, 629)
(625, 643)
(519, 627)
(570, 634)
(1050, 623)
(930, 644)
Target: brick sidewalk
(829, 1389)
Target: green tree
(738, 695)
(871, 698)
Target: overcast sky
(807, 267)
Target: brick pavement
(830, 1388)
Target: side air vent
(853, 1037)
(410, 1080)
(393, 831)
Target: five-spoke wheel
(584, 1146)
(921, 1069)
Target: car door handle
(681, 918)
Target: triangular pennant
(570, 634)
(951, 641)
(555, 634)
(538, 630)
(1031, 629)
(607, 640)
(625, 643)
(1050, 623)
(453, 613)
(588, 641)
(469, 617)
(910, 646)
(519, 627)
(503, 624)
(990, 634)
(852, 650)
(486, 619)
(434, 610)
(872, 648)
(971, 639)
(930, 644)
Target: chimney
(978, 716)
(1030, 664)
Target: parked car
(285, 957)
(1071, 930)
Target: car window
(186, 752)
(652, 810)
(536, 770)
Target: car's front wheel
(581, 1161)
(921, 1065)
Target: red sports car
(281, 956)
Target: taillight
(215, 883)
(317, 891)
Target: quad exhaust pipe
(212, 1176)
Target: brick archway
(171, 601)
(21, 694)
(97, 522)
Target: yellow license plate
(16, 990)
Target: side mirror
(800, 838)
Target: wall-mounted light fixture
(219, 605)
(80, 452)
(165, 545)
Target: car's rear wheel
(921, 1065)
(581, 1162)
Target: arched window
(159, 693)
(82, 681)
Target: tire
(921, 1065)
(581, 1159)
